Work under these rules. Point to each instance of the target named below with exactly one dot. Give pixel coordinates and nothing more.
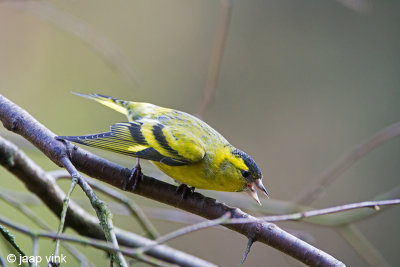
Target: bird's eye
(245, 174)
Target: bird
(179, 144)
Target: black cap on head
(254, 170)
(252, 176)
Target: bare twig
(2, 261)
(359, 6)
(311, 213)
(128, 203)
(362, 246)
(108, 50)
(342, 208)
(247, 251)
(64, 214)
(360, 214)
(19, 121)
(24, 210)
(217, 51)
(35, 246)
(315, 190)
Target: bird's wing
(147, 140)
(173, 141)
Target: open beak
(253, 193)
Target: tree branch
(19, 121)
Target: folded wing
(147, 140)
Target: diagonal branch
(110, 52)
(317, 187)
(19, 121)
(362, 245)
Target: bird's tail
(116, 104)
(120, 139)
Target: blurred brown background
(301, 83)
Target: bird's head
(251, 173)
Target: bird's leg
(135, 177)
(185, 190)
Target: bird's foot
(135, 177)
(185, 190)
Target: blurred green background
(301, 83)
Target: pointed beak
(261, 187)
(253, 193)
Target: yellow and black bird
(179, 144)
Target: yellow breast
(209, 173)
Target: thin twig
(64, 214)
(247, 251)
(108, 50)
(2, 261)
(311, 213)
(360, 214)
(102, 211)
(35, 246)
(217, 51)
(273, 206)
(362, 246)
(24, 210)
(128, 203)
(359, 6)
